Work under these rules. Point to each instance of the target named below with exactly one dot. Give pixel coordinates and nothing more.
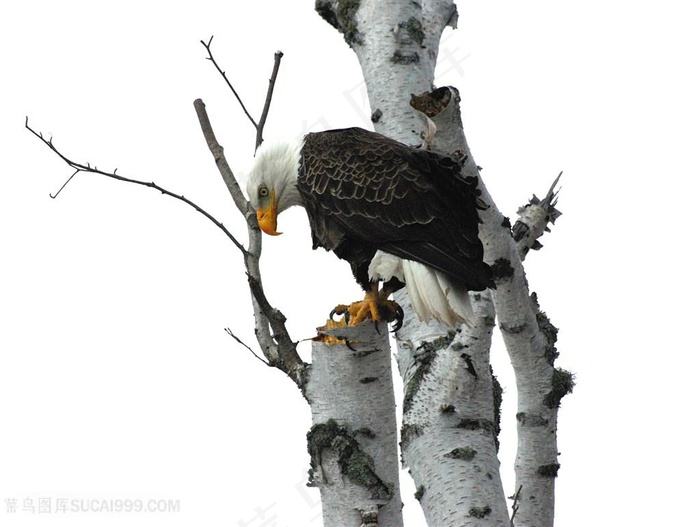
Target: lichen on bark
(353, 462)
(341, 15)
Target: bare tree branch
(222, 164)
(270, 329)
(78, 167)
(207, 46)
(534, 219)
(54, 196)
(278, 347)
(260, 124)
(234, 337)
(515, 506)
(268, 99)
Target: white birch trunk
(529, 339)
(465, 365)
(353, 440)
(448, 436)
(448, 430)
(396, 43)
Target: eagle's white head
(272, 182)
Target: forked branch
(270, 323)
(79, 167)
(260, 123)
(273, 337)
(270, 328)
(278, 347)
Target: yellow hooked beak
(267, 217)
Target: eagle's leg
(376, 306)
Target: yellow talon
(376, 306)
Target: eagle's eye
(263, 192)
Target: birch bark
(529, 337)
(448, 432)
(353, 440)
(450, 418)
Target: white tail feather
(431, 292)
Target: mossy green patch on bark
(549, 331)
(341, 15)
(497, 402)
(353, 462)
(562, 384)
(420, 491)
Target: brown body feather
(364, 192)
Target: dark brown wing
(412, 203)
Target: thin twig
(54, 196)
(550, 200)
(231, 334)
(207, 46)
(268, 99)
(94, 170)
(515, 505)
(260, 124)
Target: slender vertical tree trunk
(530, 340)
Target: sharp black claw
(340, 310)
(398, 321)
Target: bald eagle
(398, 214)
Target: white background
(117, 380)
